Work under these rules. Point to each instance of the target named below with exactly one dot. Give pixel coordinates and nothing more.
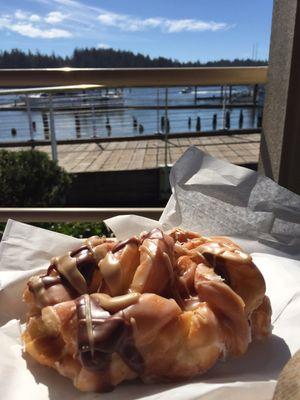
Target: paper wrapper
(209, 196)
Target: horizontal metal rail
(132, 77)
(144, 137)
(74, 214)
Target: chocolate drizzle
(121, 245)
(101, 334)
(73, 271)
(85, 263)
(218, 265)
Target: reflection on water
(127, 121)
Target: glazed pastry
(161, 307)
(70, 275)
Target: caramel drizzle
(101, 334)
(75, 270)
(67, 266)
(155, 234)
(111, 266)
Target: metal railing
(116, 78)
(132, 77)
(74, 214)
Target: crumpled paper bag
(210, 196)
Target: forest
(106, 58)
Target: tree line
(106, 58)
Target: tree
(105, 58)
(30, 178)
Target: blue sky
(182, 29)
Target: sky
(186, 30)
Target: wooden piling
(214, 122)
(198, 124)
(46, 126)
(77, 126)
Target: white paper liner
(210, 196)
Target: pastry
(162, 306)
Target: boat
(186, 90)
(82, 99)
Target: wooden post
(280, 142)
(45, 125)
(215, 122)
(198, 124)
(254, 98)
(241, 119)
(77, 125)
(227, 120)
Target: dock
(147, 154)
(131, 173)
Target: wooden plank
(149, 154)
(138, 159)
(99, 163)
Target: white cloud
(33, 25)
(133, 24)
(19, 14)
(74, 18)
(34, 18)
(34, 32)
(194, 25)
(54, 17)
(103, 46)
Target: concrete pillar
(280, 143)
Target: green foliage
(106, 58)
(30, 178)
(78, 229)
(75, 229)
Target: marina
(129, 112)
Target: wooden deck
(147, 154)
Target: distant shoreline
(108, 58)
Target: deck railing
(74, 214)
(132, 77)
(116, 78)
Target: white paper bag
(210, 196)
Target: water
(121, 120)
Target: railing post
(157, 111)
(94, 120)
(28, 109)
(224, 90)
(166, 127)
(52, 130)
